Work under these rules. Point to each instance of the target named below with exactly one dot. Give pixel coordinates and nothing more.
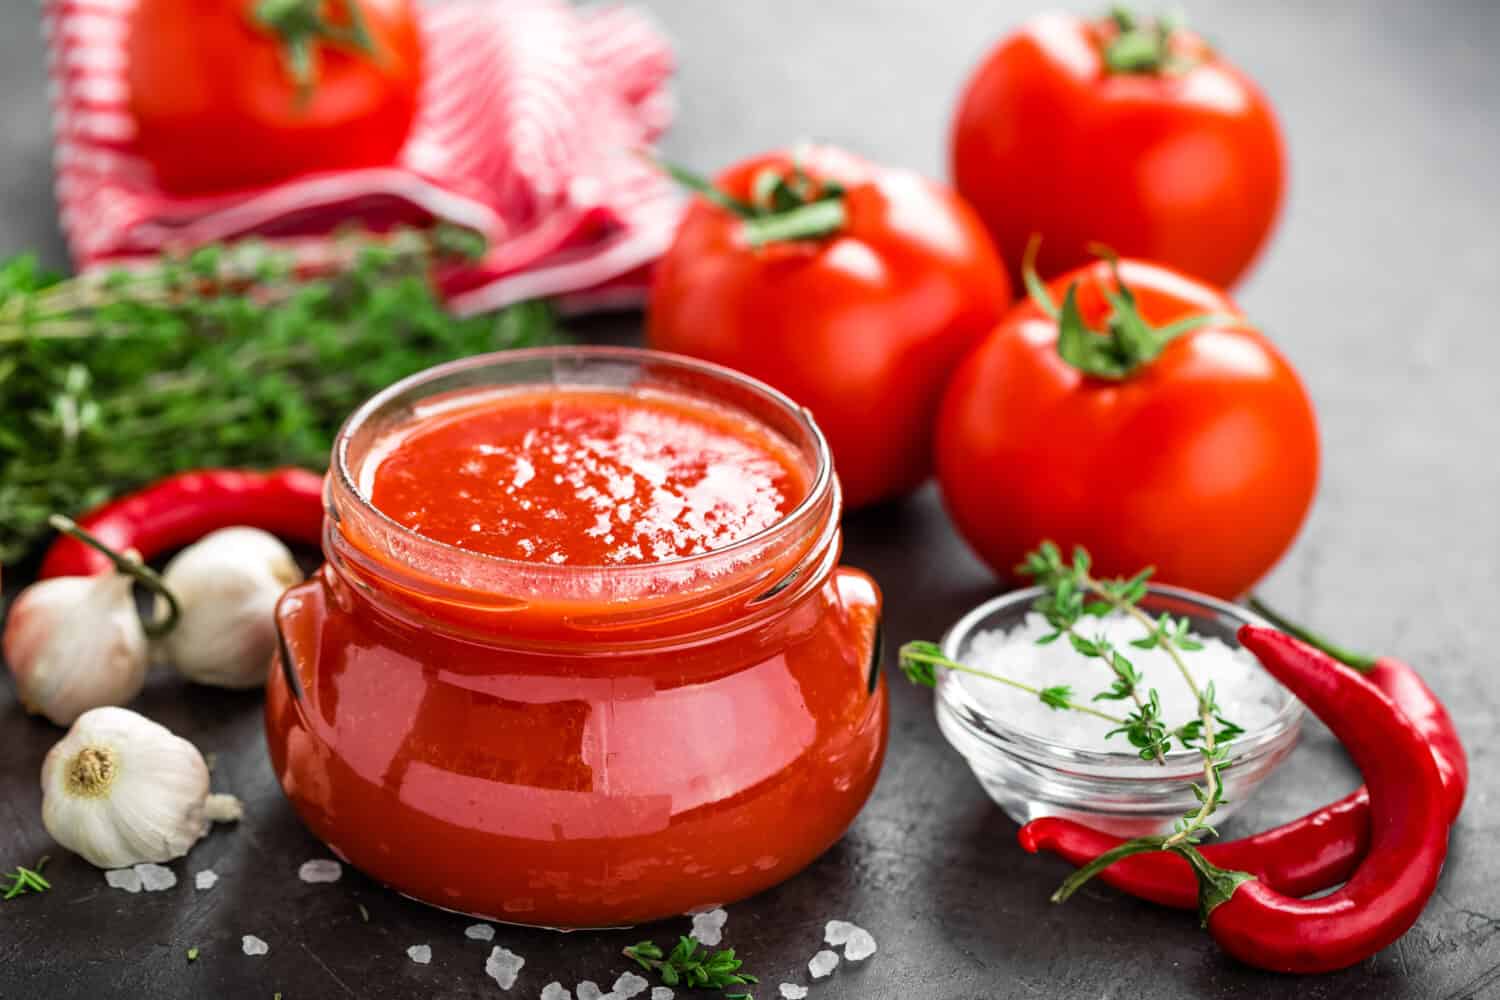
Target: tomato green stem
(1142, 46)
(811, 221)
(1127, 343)
(301, 25)
(785, 205)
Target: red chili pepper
(1408, 831)
(183, 508)
(1307, 855)
(1407, 689)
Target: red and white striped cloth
(530, 117)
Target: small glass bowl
(1113, 791)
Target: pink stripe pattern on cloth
(531, 116)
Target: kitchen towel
(531, 119)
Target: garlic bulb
(74, 643)
(120, 790)
(227, 585)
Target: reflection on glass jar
(571, 745)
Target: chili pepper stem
(1363, 662)
(1215, 884)
(131, 566)
(1076, 881)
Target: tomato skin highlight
(1185, 168)
(217, 110)
(863, 327)
(1202, 463)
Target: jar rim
(822, 487)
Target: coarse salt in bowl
(1036, 761)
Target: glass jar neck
(411, 576)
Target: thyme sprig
(1063, 604)
(238, 354)
(689, 964)
(1209, 734)
(920, 661)
(1069, 595)
(26, 880)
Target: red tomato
(1202, 462)
(218, 106)
(1181, 164)
(863, 326)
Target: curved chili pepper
(183, 508)
(1407, 689)
(1298, 858)
(1408, 831)
(1310, 853)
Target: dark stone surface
(1379, 285)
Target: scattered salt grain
(628, 985)
(708, 928)
(589, 990)
(503, 966)
(791, 991)
(860, 946)
(156, 878)
(823, 963)
(320, 870)
(661, 993)
(837, 932)
(1247, 693)
(420, 953)
(556, 991)
(479, 932)
(252, 945)
(206, 878)
(124, 878)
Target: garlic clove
(74, 643)
(121, 790)
(227, 585)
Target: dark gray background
(1380, 285)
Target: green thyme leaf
(231, 356)
(1057, 697)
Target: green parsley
(689, 964)
(26, 880)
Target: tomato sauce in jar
(582, 654)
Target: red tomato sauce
(573, 758)
(584, 477)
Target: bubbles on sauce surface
(587, 477)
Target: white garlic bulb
(121, 790)
(74, 643)
(227, 585)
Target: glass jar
(578, 746)
(1030, 776)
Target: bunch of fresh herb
(1069, 596)
(234, 355)
(24, 880)
(689, 964)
